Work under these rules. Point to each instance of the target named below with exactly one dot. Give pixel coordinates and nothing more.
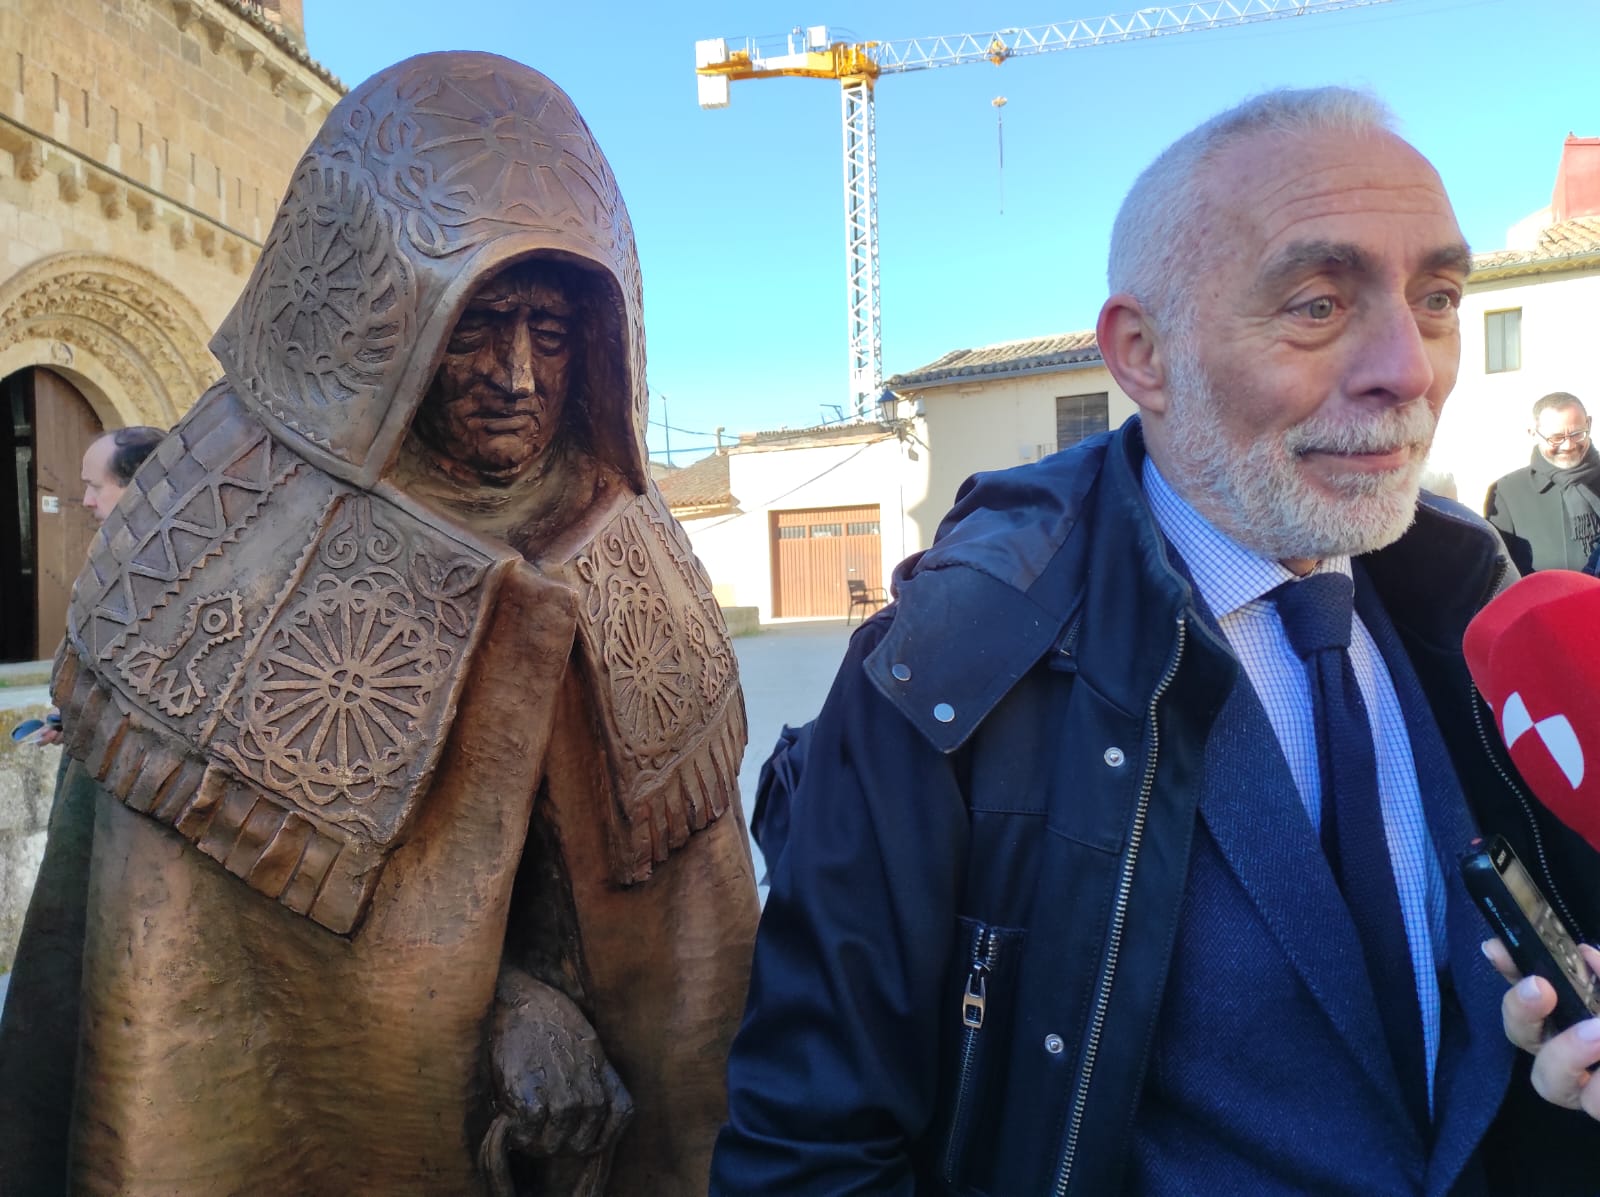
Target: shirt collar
(1227, 575)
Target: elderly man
(397, 847)
(109, 463)
(1124, 858)
(1548, 511)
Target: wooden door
(815, 552)
(19, 637)
(64, 426)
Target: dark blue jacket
(963, 959)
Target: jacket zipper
(1119, 918)
(974, 1003)
(1549, 887)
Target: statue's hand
(555, 1091)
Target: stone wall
(27, 786)
(144, 145)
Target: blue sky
(739, 212)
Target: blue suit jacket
(1250, 1084)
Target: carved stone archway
(136, 342)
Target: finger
(494, 1160)
(592, 1110)
(1561, 1069)
(530, 1112)
(619, 1109)
(1501, 959)
(1523, 1010)
(566, 1111)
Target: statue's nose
(521, 363)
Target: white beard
(1260, 495)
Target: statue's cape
(268, 661)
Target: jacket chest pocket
(977, 1012)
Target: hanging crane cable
(999, 103)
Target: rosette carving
(334, 313)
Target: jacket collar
(1026, 553)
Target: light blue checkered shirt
(1234, 583)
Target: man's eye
(1321, 308)
(1440, 301)
(546, 341)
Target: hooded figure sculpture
(397, 846)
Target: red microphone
(1529, 651)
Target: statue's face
(496, 403)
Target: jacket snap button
(902, 673)
(1054, 1045)
(944, 712)
(1114, 757)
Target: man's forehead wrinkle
(1370, 197)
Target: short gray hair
(1557, 399)
(1157, 240)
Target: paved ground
(786, 670)
(23, 696)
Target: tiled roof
(285, 41)
(845, 431)
(1561, 245)
(1009, 357)
(703, 484)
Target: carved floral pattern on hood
(424, 181)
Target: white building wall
(956, 431)
(1483, 432)
(999, 423)
(716, 542)
(737, 550)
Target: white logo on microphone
(1556, 732)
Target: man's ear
(1133, 353)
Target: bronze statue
(397, 847)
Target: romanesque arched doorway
(87, 342)
(44, 528)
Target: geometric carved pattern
(332, 310)
(345, 691)
(167, 675)
(470, 156)
(281, 708)
(207, 481)
(667, 680)
(664, 670)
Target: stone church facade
(144, 146)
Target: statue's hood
(425, 180)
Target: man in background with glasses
(1548, 511)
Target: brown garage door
(815, 552)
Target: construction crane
(815, 52)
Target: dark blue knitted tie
(1316, 613)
